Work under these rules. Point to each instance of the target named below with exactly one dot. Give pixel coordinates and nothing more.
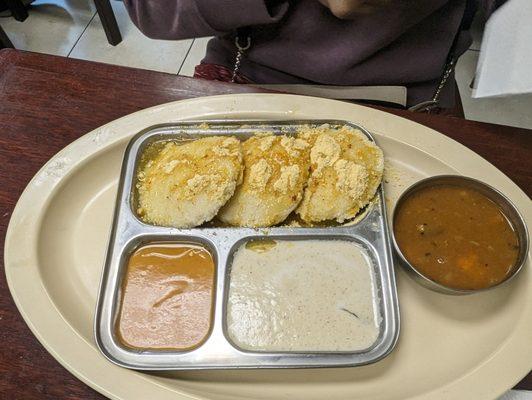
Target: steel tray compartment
(370, 231)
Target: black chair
(103, 7)
(107, 16)
(4, 40)
(17, 8)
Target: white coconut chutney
(312, 295)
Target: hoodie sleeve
(183, 19)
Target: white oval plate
(466, 347)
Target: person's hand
(346, 9)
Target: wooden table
(47, 102)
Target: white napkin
(505, 62)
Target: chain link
(433, 103)
(448, 70)
(239, 55)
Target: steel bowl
(507, 207)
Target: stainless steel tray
(128, 232)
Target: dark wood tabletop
(46, 102)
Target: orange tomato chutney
(456, 236)
(167, 297)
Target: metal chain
(239, 55)
(448, 70)
(433, 103)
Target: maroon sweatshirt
(301, 41)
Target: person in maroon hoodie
(407, 43)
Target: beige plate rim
(82, 358)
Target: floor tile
(135, 50)
(195, 55)
(52, 27)
(513, 110)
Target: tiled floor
(72, 28)
(135, 50)
(53, 26)
(196, 53)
